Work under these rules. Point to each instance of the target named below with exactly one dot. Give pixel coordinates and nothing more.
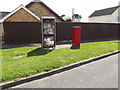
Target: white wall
(0, 15)
(114, 17)
(106, 18)
(119, 13)
(1, 30)
(100, 19)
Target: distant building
(31, 13)
(40, 9)
(108, 15)
(3, 14)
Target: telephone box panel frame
(50, 21)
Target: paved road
(99, 74)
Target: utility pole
(72, 14)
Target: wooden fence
(90, 31)
(22, 32)
(30, 32)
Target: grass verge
(36, 60)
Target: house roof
(107, 11)
(47, 8)
(18, 8)
(3, 12)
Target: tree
(76, 18)
(62, 16)
(68, 19)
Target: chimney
(36, 1)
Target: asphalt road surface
(98, 74)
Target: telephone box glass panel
(48, 33)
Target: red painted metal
(76, 36)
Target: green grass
(36, 60)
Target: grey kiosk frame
(48, 32)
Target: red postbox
(76, 37)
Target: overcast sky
(83, 7)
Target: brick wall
(40, 10)
(21, 16)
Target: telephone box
(76, 37)
(48, 32)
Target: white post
(119, 3)
(72, 14)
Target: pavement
(99, 74)
(5, 46)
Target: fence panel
(22, 32)
(29, 32)
(90, 31)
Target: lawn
(36, 60)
